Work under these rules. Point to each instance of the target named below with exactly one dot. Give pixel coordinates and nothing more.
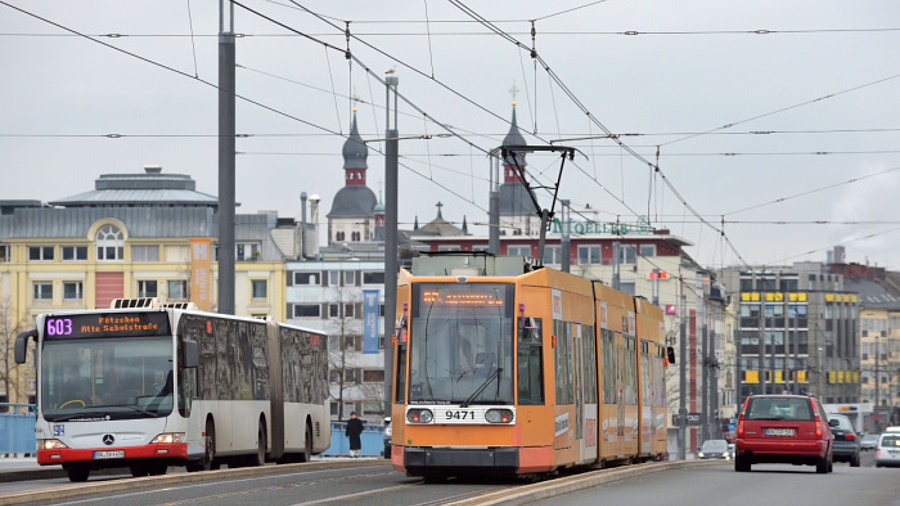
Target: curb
(66, 492)
(50, 473)
(529, 493)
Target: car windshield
(870, 437)
(779, 408)
(843, 422)
(714, 445)
(890, 440)
(113, 378)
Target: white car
(887, 453)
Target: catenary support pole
(226, 160)
(391, 257)
(682, 380)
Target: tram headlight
(168, 438)
(419, 416)
(51, 444)
(499, 416)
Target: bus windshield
(108, 378)
(461, 343)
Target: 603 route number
(459, 415)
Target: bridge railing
(16, 429)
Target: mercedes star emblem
(108, 439)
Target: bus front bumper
(111, 457)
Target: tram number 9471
(459, 414)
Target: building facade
(134, 235)
(796, 331)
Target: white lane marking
(356, 495)
(96, 497)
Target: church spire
(513, 138)
(355, 153)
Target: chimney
(313, 243)
(303, 225)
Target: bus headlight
(419, 416)
(51, 444)
(498, 415)
(168, 438)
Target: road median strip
(85, 489)
(551, 488)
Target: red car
(791, 429)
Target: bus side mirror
(190, 355)
(670, 353)
(22, 344)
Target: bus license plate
(109, 454)
(779, 432)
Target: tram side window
(530, 362)
(562, 358)
(400, 395)
(589, 361)
(630, 372)
(608, 366)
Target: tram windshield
(461, 343)
(108, 378)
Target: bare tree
(10, 326)
(346, 327)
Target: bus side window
(530, 361)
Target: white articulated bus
(156, 386)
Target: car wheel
(741, 464)
(855, 461)
(822, 465)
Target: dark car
(714, 449)
(868, 442)
(791, 429)
(846, 444)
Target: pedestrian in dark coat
(354, 429)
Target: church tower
(352, 215)
(517, 213)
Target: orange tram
(506, 370)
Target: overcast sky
(821, 76)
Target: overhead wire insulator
(347, 36)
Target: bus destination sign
(107, 325)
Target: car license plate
(109, 454)
(779, 432)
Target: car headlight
(700, 454)
(419, 416)
(51, 444)
(168, 438)
(498, 415)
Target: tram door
(646, 404)
(586, 368)
(620, 392)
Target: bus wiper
(477, 392)
(128, 406)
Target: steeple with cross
(439, 206)
(514, 92)
(513, 138)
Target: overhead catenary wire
(558, 81)
(787, 108)
(165, 67)
(213, 85)
(193, 44)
